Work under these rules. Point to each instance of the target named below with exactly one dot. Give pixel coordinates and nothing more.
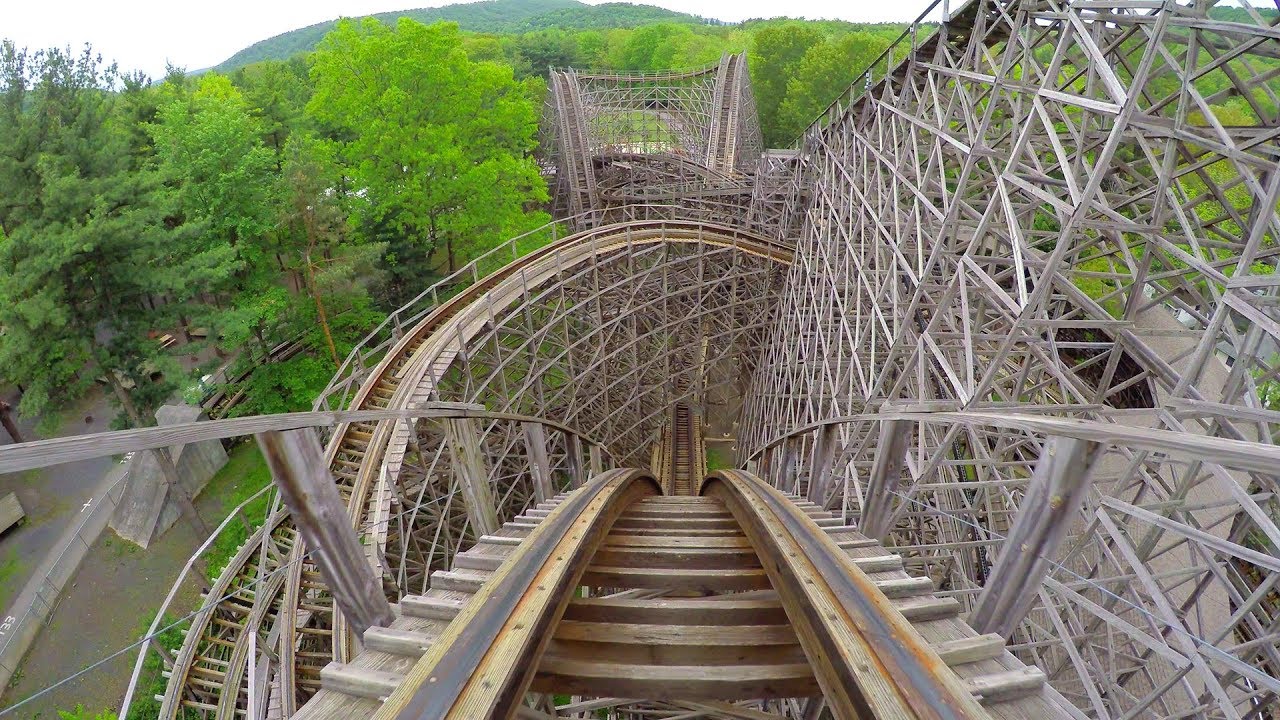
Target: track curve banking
(268, 591)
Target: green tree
(83, 258)
(276, 91)
(822, 74)
(437, 145)
(224, 199)
(775, 52)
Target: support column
(535, 442)
(573, 448)
(463, 436)
(820, 465)
(595, 460)
(1053, 499)
(788, 480)
(307, 488)
(886, 476)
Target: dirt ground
(51, 496)
(106, 608)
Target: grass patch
(151, 681)
(10, 569)
(719, 458)
(244, 474)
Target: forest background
(152, 230)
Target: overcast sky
(145, 34)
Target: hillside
(489, 16)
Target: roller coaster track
(294, 605)
(1007, 311)
(691, 600)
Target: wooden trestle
(614, 591)
(680, 456)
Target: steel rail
(868, 659)
(484, 664)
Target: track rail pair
(853, 646)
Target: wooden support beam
(595, 461)
(789, 475)
(820, 465)
(535, 440)
(573, 443)
(308, 490)
(469, 467)
(1048, 510)
(895, 436)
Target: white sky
(144, 34)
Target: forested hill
(488, 16)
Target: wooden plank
(682, 634)
(360, 682)
(720, 580)
(400, 642)
(675, 682)
(308, 490)
(970, 649)
(11, 512)
(692, 558)
(668, 611)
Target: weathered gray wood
(11, 512)
(463, 436)
(820, 467)
(882, 486)
(535, 440)
(576, 476)
(1051, 506)
(55, 451)
(307, 488)
(596, 462)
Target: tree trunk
(324, 319)
(7, 421)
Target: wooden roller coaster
(994, 346)
(692, 602)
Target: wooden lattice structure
(1009, 307)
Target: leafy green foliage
(81, 239)
(152, 681)
(438, 144)
(775, 52)
(821, 75)
(80, 713)
(489, 16)
(245, 473)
